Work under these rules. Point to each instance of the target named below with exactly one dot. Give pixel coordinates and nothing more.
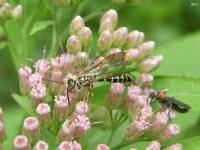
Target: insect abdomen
(118, 79)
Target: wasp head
(71, 84)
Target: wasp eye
(71, 83)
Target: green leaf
(13, 118)
(181, 57)
(40, 25)
(184, 88)
(24, 103)
(3, 44)
(191, 143)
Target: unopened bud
(169, 132)
(131, 55)
(5, 10)
(150, 64)
(21, 143)
(71, 145)
(102, 147)
(116, 90)
(145, 80)
(112, 15)
(159, 122)
(175, 147)
(81, 108)
(61, 108)
(81, 60)
(41, 145)
(154, 145)
(31, 129)
(24, 74)
(73, 44)
(146, 48)
(85, 36)
(2, 132)
(107, 25)
(76, 25)
(134, 39)
(119, 37)
(66, 131)
(38, 94)
(105, 40)
(16, 12)
(43, 111)
(42, 66)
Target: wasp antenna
(68, 96)
(60, 82)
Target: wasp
(93, 74)
(170, 102)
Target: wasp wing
(180, 106)
(112, 59)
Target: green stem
(13, 51)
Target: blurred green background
(173, 25)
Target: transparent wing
(110, 60)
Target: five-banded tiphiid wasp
(94, 73)
(170, 102)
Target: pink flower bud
(112, 15)
(159, 122)
(73, 44)
(119, 37)
(24, 74)
(169, 132)
(81, 108)
(81, 124)
(102, 147)
(107, 25)
(116, 90)
(150, 64)
(76, 25)
(135, 129)
(31, 128)
(175, 147)
(16, 12)
(57, 62)
(134, 39)
(132, 95)
(67, 60)
(145, 80)
(105, 40)
(71, 145)
(5, 10)
(85, 36)
(43, 111)
(61, 107)
(35, 79)
(41, 145)
(154, 145)
(21, 143)
(131, 55)
(146, 48)
(81, 60)
(38, 94)
(2, 132)
(42, 66)
(66, 131)
(145, 114)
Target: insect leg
(68, 96)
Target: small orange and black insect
(170, 102)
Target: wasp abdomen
(118, 78)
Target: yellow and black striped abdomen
(122, 78)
